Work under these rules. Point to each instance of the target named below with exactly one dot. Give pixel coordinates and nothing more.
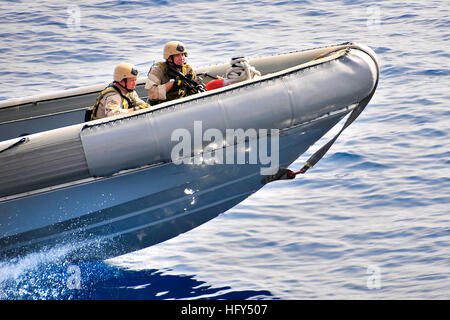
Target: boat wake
(36, 276)
(50, 276)
(44, 275)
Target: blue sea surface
(370, 221)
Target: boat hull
(129, 212)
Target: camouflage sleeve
(138, 102)
(111, 105)
(155, 83)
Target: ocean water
(370, 221)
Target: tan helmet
(174, 47)
(125, 70)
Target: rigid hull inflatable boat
(111, 186)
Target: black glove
(176, 83)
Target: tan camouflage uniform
(157, 78)
(112, 104)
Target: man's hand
(173, 84)
(169, 85)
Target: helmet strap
(171, 62)
(125, 85)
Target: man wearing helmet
(161, 84)
(119, 96)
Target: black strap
(284, 173)
(322, 151)
(208, 75)
(130, 104)
(15, 144)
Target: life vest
(92, 113)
